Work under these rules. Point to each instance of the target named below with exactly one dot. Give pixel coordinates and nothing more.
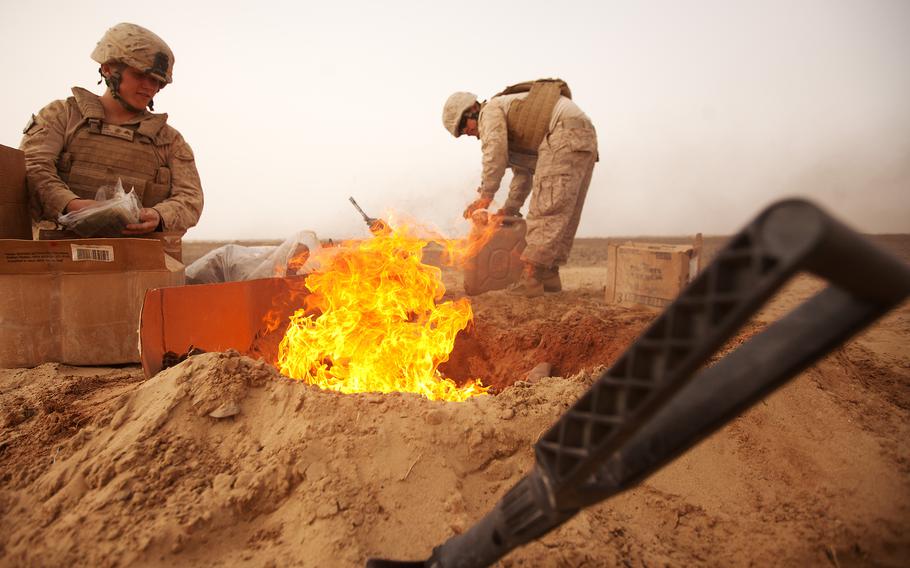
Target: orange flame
(372, 323)
(484, 226)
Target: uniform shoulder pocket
(581, 140)
(32, 126)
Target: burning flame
(483, 227)
(372, 323)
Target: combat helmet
(455, 107)
(138, 48)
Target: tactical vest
(99, 153)
(528, 119)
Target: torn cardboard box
(650, 274)
(77, 302)
(14, 220)
(249, 316)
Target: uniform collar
(90, 106)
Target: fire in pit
(374, 322)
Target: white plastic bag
(232, 262)
(115, 210)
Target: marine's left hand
(148, 222)
(509, 212)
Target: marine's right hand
(479, 203)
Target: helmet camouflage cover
(138, 48)
(455, 106)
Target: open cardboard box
(248, 316)
(77, 302)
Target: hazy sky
(706, 110)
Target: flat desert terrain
(104, 467)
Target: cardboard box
(250, 316)
(14, 219)
(77, 302)
(650, 274)
(172, 240)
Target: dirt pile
(326, 479)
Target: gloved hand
(508, 211)
(479, 203)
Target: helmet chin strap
(113, 83)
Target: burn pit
(572, 331)
(398, 345)
(508, 336)
(502, 346)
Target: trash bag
(115, 210)
(232, 262)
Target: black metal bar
(836, 253)
(786, 237)
(742, 277)
(723, 391)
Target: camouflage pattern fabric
(557, 180)
(564, 166)
(70, 152)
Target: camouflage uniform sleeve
(494, 140)
(43, 141)
(182, 209)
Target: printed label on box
(96, 253)
(42, 257)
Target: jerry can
(497, 263)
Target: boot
(549, 277)
(529, 285)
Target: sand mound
(333, 478)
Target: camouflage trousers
(565, 163)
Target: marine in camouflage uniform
(74, 146)
(551, 147)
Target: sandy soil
(101, 467)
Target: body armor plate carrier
(529, 118)
(100, 153)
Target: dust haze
(706, 111)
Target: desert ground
(103, 467)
